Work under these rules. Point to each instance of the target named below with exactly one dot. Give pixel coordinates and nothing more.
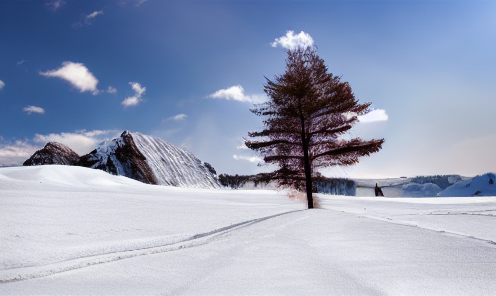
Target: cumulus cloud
(373, 116)
(292, 41)
(2, 84)
(111, 90)
(248, 158)
(236, 93)
(33, 109)
(137, 88)
(178, 117)
(81, 142)
(16, 153)
(76, 74)
(138, 92)
(130, 101)
(54, 4)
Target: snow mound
(421, 190)
(63, 175)
(484, 185)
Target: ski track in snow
(47, 206)
(32, 272)
(402, 223)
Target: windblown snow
(67, 230)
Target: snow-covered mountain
(484, 185)
(150, 160)
(53, 153)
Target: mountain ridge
(140, 157)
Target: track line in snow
(33, 272)
(410, 224)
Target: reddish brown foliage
(307, 112)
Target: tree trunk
(306, 159)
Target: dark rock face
(121, 158)
(53, 153)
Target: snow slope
(484, 185)
(172, 165)
(73, 230)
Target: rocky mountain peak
(53, 153)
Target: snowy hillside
(172, 165)
(150, 160)
(67, 230)
(484, 185)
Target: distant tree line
(237, 181)
(320, 184)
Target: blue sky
(79, 72)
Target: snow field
(72, 230)
(57, 213)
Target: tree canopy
(308, 112)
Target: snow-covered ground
(72, 230)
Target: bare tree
(307, 112)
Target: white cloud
(94, 14)
(137, 88)
(130, 101)
(248, 158)
(17, 153)
(139, 2)
(33, 109)
(236, 93)
(2, 84)
(178, 117)
(373, 116)
(292, 41)
(242, 145)
(138, 92)
(21, 62)
(88, 19)
(81, 142)
(76, 74)
(55, 4)
(95, 133)
(111, 90)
